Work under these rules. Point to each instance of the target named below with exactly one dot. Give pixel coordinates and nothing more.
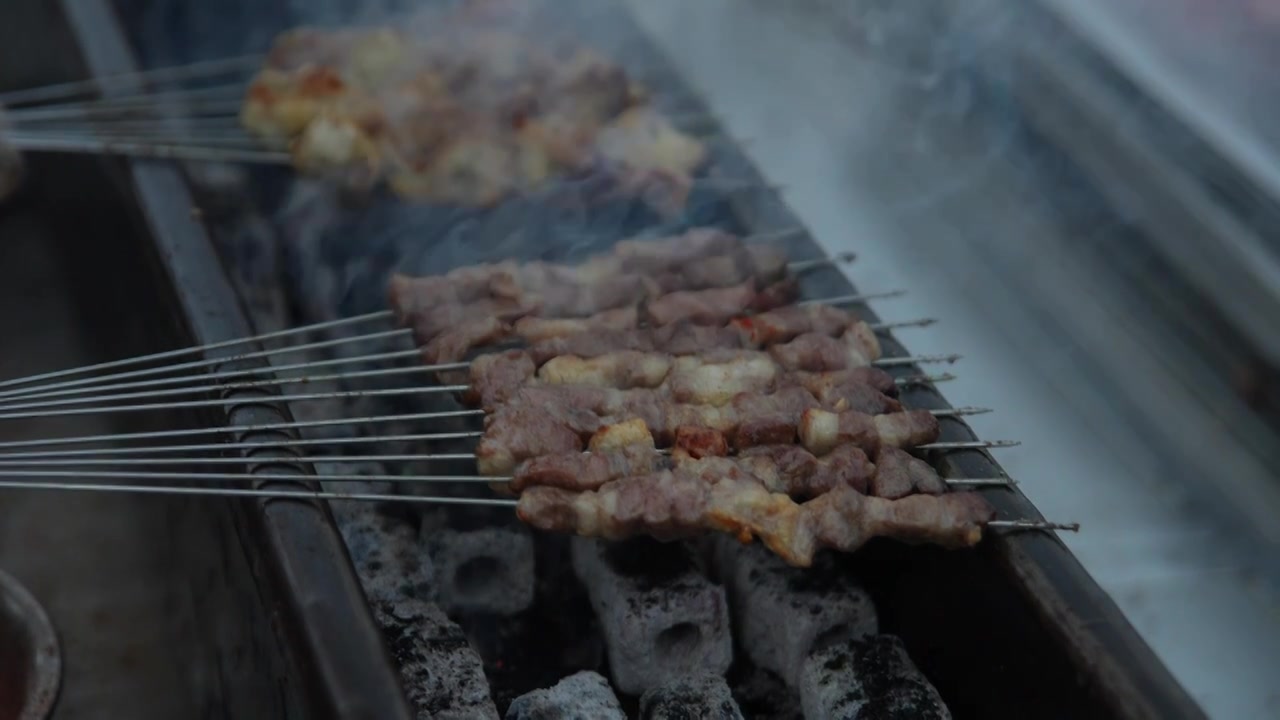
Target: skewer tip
(970, 410)
(1023, 525)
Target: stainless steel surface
(30, 658)
(908, 175)
(117, 575)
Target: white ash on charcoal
(868, 679)
(386, 554)
(661, 618)
(443, 677)
(581, 696)
(695, 697)
(482, 571)
(782, 614)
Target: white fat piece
(862, 340)
(819, 431)
(614, 370)
(694, 380)
(625, 434)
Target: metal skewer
(296, 397)
(336, 460)
(382, 335)
(276, 335)
(8, 400)
(277, 494)
(162, 152)
(291, 332)
(163, 99)
(246, 429)
(206, 68)
(225, 446)
(303, 494)
(375, 497)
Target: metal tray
(301, 639)
(1014, 629)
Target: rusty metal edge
(329, 629)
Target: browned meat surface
(622, 370)
(522, 432)
(898, 475)
(748, 421)
(496, 377)
(539, 330)
(812, 352)
(716, 306)
(821, 431)
(856, 396)
(587, 471)
(797, 472)
(844, 519)
(684, 502)
(817, 383)
(786, 323)
(698, 442)
(453, 344)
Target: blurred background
(1085, 194)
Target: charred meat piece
(697, 442)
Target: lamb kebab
(713, 378)
(605, 333)
(629, 449)
(695, 260)
(448, 332)
(553, 421)
(678, 503)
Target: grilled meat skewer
(696, 260)
(782, 468)
(560, 421)
(679, 503)
(609, 332)
(448, 332)
(629, 449)
(712, 378)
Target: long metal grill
(460, 545)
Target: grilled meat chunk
(898, 475)
(678, 503)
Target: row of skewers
(455, 107)
(701, 398)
